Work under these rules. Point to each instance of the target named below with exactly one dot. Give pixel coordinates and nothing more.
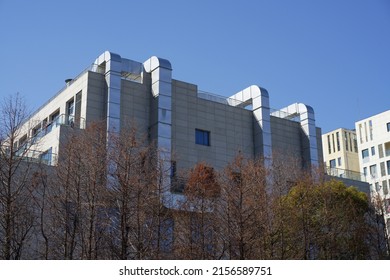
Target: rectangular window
(383, 170)
(380, 150)
(332, 163)
(355, 146)
(365, 171)
(373, 151)
(329, 147)
(70, 111)
(387, 149)
(202, 137)
(334, 147)
(388, 167)
(360, 133)
(373, 171)
(365, 132)
(365, 155)
(388, 126)
(377, 188)
(346, 140)
(338, 141)
(370, 128)
(385, 188)
(339, 161)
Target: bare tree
(16, 220)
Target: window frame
(202, 137)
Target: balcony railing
(343, 173)
(63, 119)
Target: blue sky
(333, 55)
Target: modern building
(373, 136)
(340, 150)
(188, 126)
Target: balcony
(63, 119)
(344, 173)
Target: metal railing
(58, 121)
(344, 173)
(218, 98)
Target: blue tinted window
(202, 137)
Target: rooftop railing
(217, 98)
(344, 173)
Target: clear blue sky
(333, 55)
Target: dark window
(365, 153)
(332, 163)
(388, 126)
(202, 137)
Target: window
(202, 137)
(383, 170)
(370, 128)
(365, 171)
(329, 147)
(377, 187)
(332, 163)
(334, 147)
(373, 171)
(55, 115)
(380, 150)
(355, 144)
(385, 188)
(365, 154)
(388, 126)
(388, 167)
(338, 141)
(373, 151)
(387, 149)
(339, 161)
(346, 140)
(70, 111)
(365, 131)
(387, 205)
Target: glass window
(329, 147)
(339, 161)
(334, 147)
(388, 126)
(383, 170)
(360, 133)
(355, 144)
(332, 163)
(346, 140)
(380, 150)
(365, 171)
(365, 153)
(338, 141)
(373, 170)
(387, 149)
(377, 187)
(388, 167)
(70, 111)
(373, 151)
(370, 128)
(202, 137)
(385, 188)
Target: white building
(374, 155)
